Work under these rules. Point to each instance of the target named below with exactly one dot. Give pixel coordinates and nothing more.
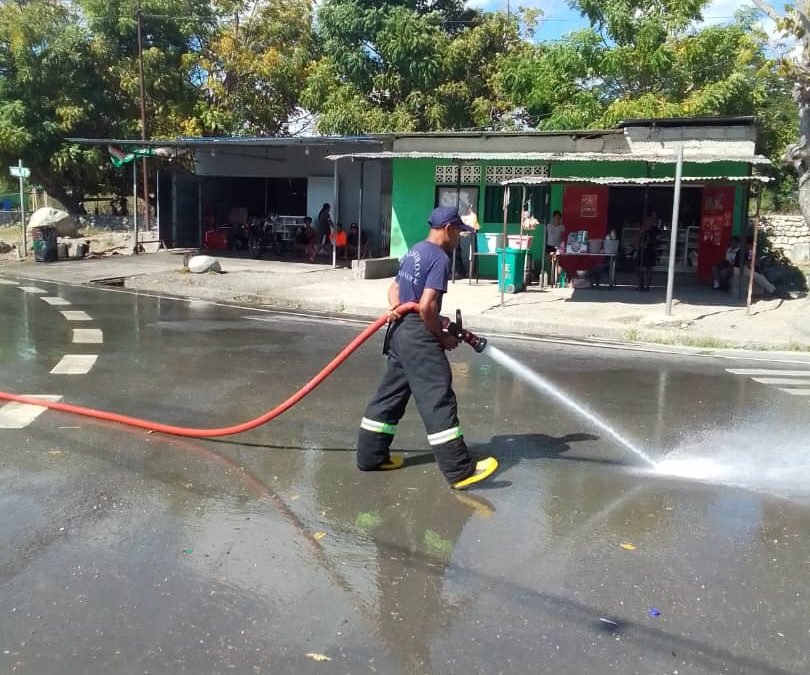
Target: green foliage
(642, 59)
(399, 67)
(253, 70)
(244, 67)
(50, 87)
(633, 63)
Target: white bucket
(520, 242)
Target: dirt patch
(100, 241)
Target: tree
(646, 60)
(175, 32)
(400, 66)
(253, 68)
(50, 87)
(641, 66)
(796, 22)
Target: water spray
(542, 384)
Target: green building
(601, 181)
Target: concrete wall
(349, 199)
(600, 142)
(790, 234)
(736, 140)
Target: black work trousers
(417, 364)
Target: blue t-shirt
(426, 265)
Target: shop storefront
(286, 180)
(221, 184)
(600, 180)
(712, 210)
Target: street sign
(19, 171)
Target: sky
(558, 18)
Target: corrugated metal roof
(620, 180)
(692, 158)
(529, 133)
(258, 141)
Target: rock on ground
(199, 264)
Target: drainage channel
(110, 281)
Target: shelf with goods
(688, 238)
(287, 226)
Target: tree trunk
(73, 203)
(798, 154)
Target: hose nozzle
(456, 328)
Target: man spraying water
(417, 363)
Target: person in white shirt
(722, 271)
(554, 232)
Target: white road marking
(88, 336)
(792, 381)
(797, 392)
(55, 300)
(769, 371)
(75, 364)
(76, 315)
(32, 289)
(15, 415)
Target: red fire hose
(224, 431)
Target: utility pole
(22, 206)
(144, 135)
(673, 231)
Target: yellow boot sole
(392, 463)
(484, 468)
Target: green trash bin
(510, 275)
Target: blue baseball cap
(448, 215)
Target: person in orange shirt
(339, 241)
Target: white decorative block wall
(497, 174)
(447, 174)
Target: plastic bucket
(489, 242)
(520, 242)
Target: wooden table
(611, 266)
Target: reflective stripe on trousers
(378, 427)
(444, 436)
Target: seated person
(300, 242)
(760, 280)
(354, 236)
(311, 235)
(723, 271)
(339, 241)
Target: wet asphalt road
(128, 552)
